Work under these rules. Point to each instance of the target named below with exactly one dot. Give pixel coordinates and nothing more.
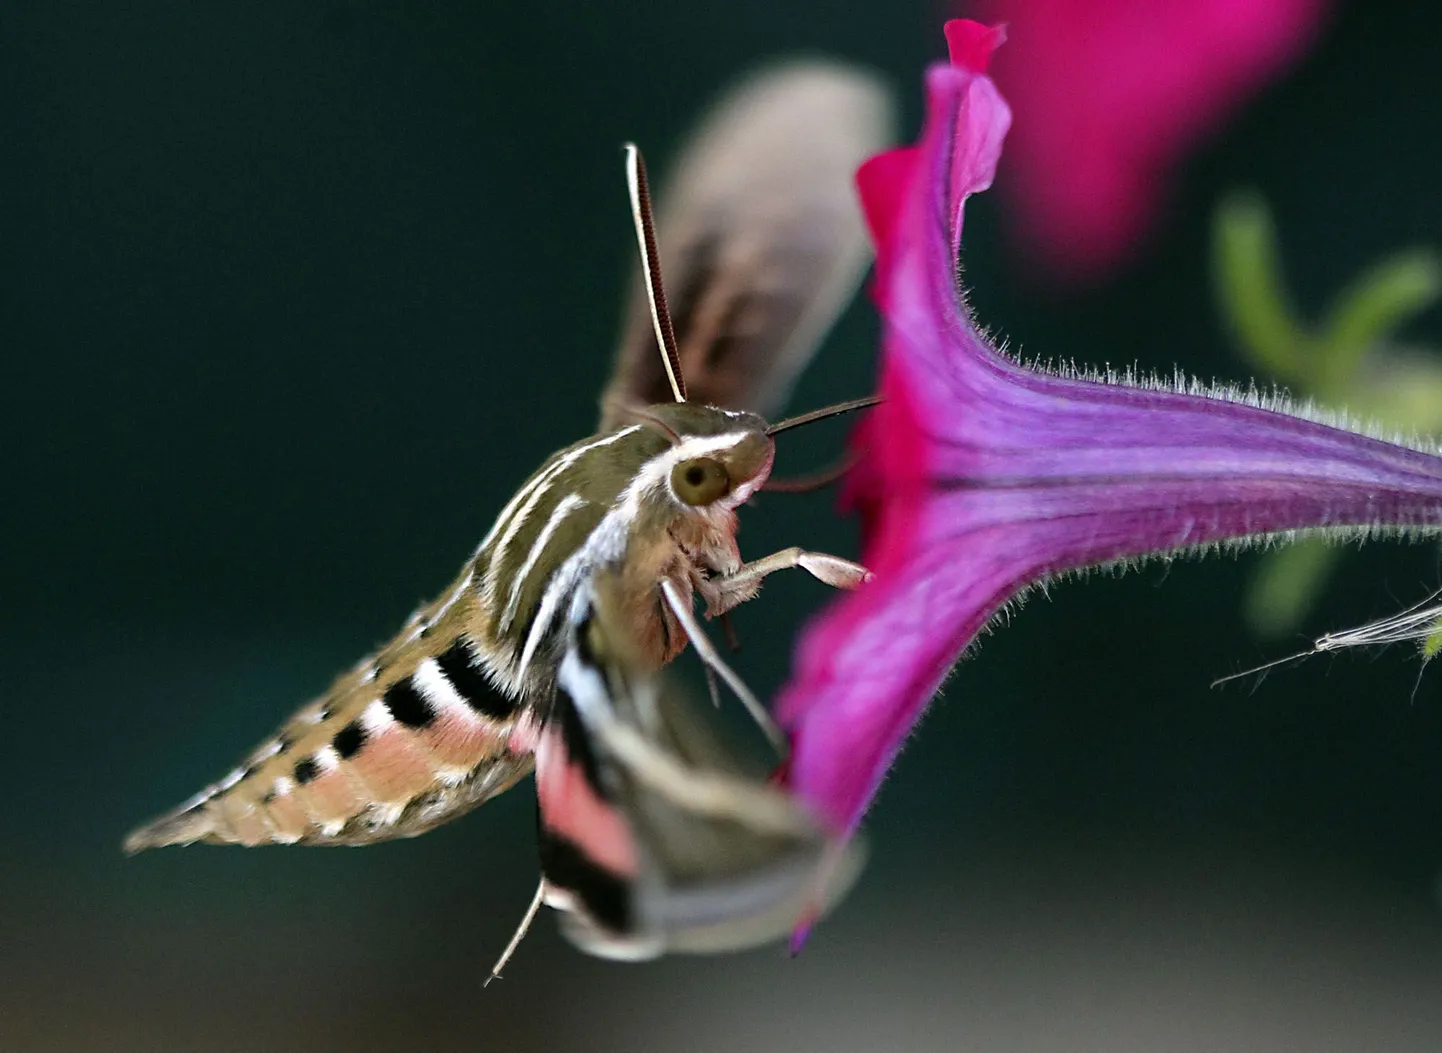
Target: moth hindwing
(461, 704)
(653, 835)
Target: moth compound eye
(700, 481)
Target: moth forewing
(761, 238)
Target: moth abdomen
(383, 754)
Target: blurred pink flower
(1110, 95)
(979, 477)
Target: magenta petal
(1111, 95)
(844, 741)
(884, 183)
(979, 477)
(971, 44)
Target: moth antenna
(834, 410)
(521, 931)
(655, 293)
(640, 413)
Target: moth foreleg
(520, 933)
(706, 650)
(731, 590)
(712, 688)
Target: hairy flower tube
(980, 477)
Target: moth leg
(822, 879)
(521, 931)
(736, 588)
(707, 652)
(712, 688)
(732, 640)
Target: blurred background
(296, 295)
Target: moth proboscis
(546, 651)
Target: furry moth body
(608, 541)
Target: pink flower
(979, 477)
(1111, 94)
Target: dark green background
(295, 294)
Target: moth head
(717, 458)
